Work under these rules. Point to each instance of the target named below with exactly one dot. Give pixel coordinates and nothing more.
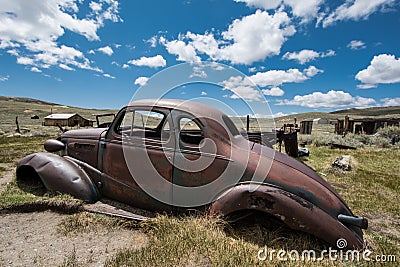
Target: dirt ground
(32, 239)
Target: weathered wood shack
(67, 120)
(306, 127)
(364, 125)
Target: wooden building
(306, 127)
(67, 120)
(364, 125)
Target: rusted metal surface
(58, 175)
(293, 210)
(103, 208)
(93, 165)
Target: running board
(107, 209)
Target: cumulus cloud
(152, 62)
(242, 88)
(307, 55)
(255, 37)
(142, 81)
(278, 77)
(274, 91)
(32, 29)
(391, 101)
(247, 40)
(332, 99)
(247, 88)
(383, 69)
(356, 45)
(356, 10)
(106, 50)
(185, 52)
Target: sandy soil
(32, 239)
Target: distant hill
(25, 100)
(24, 108)
(374, 111)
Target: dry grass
(371, 189)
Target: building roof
(60, 116)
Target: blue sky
(298, 56)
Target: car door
(137, 155)
(198, 163)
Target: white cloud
(34, 69)
(366, 86)
(152, 41)
(95, 7)
(307, 55)
(34, 27)
(203, 93)
(242, 88)
(25, 61)
(106, 50)
(356, 10)
(252, 69)
(4, 78)
(247, 40)
(255, 37)
(312, 71)
(198, 71)
(303, 9)
(271, 4)
(125, 66)
(268, 116)
(356, 45)
(332, 99)
(274, 91)
(65, 67)
(384, 69)
(391, 101)
(278, 77)
(153, 62)
(185, 52)
(142, 81)
(246, 88)
(108, 76)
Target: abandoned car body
(93, 164)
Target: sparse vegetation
(371, 189)
(385, 138)
(90, 222)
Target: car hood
(293, 176)
(93, 133)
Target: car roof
(194, 108)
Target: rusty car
(166, 138)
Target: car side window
(145, 124)
(190, 132)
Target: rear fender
(292, 210)
(58, 174)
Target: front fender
(294, 211)
(58, 174)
